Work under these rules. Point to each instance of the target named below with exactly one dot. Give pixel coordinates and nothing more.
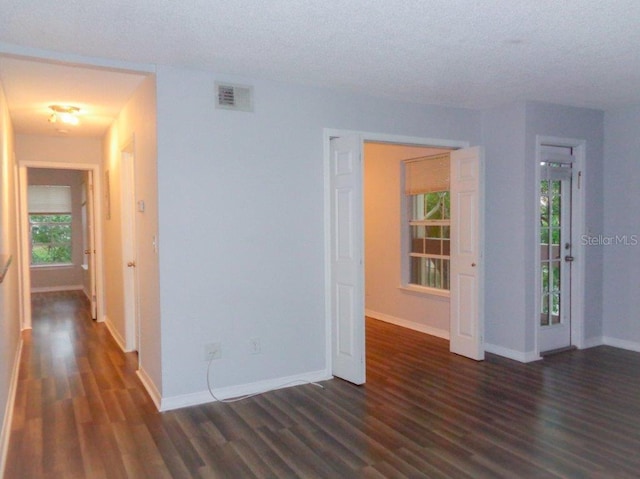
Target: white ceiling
(463, 53)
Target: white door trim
(578, 230)
(24, 232)
(329, 133)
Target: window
(50, 224)
(429, 221)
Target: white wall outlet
(255, 347)
(212, 351)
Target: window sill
(424, 291)
(52, 266)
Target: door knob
(131, 264)
(473, 265)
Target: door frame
(578, 230)
(23, 252)
(328, 134)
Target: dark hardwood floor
(82, 413)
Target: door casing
(328, 134)
(24, 261)
(578, 231)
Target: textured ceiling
(463, 53)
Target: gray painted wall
(242, 220)
(509, 136)
(503, 136)
(584, 124)
(622, 217)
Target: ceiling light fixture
(65, 113)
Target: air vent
(234, 97)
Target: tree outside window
(50, 238)
(430, 232)
(50, 224)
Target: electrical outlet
(254, 346)
(212, 351)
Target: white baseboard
(621, 343)
(55, 289)
(151, 388)
(423, 328)
(5, 433)
(523, 357)
(258, 387)
(592, 342)
(115, 334)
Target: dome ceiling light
(64, 113)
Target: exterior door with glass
(555, 254)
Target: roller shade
(49, 199)
(427, 175)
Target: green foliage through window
(430, 229)
(50, 238)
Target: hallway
(81, 412)
(79, 402)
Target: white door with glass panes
(555, 250)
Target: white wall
(61, 277)
(9, 299)
(621, 302)
(242, 221)
(135, 125)
(384, 299)
(57, 149)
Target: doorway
(559, 227)
(344, 246)
(25, 261)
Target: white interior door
(129, 251)
(347, 269)
(467, 243)
(91, 246)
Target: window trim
(407, 222)
(407, 219)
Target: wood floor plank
(81, 412)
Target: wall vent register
(234, 97)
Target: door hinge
(579, 179)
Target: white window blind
(427, 175)
(49, 199)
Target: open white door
(91, 246)
(129, 250)
(467, 243)
(347, 269)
